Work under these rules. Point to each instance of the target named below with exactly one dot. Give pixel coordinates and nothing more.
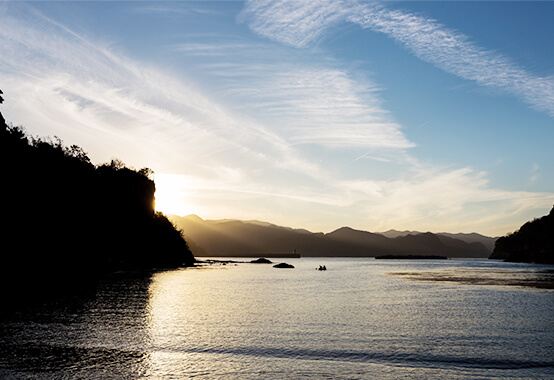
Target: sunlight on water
(352, 320)
(251, 321)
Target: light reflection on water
(254, 321)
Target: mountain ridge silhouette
(233, 237)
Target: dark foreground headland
(67, 222)
(532, 243)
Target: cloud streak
(301, 24)
(297, 23)
(324, 106)
(305, 103)
(87, 90)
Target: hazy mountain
(394, 233)
(468, 238)
(254, 238)
(473, 238)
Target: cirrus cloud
(301, 24)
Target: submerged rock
(283, 265)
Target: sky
(410, 115)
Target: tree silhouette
(533, 242)
(2, 120)
(68, 222)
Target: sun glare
(171, 195)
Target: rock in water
(261, 260)
(283, 265)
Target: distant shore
(247, 255)
(411, 257)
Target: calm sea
(360, 319)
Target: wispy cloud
(534, 172)
(302, 101)
(293, 22)
(301, 23)
(324, 106)
(206, 49)
(455, 53)
(441, 199)
(174, 9)
(63, 75)
(61, 83)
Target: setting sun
(171, 196)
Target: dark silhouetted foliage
(2, 121)
(532, 243)
(68, 222)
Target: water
(360, 319)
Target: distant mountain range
(468, 238)
(229, 237)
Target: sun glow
(171, 195)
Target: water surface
(362, 318)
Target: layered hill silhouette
(468, 238)
(532, 243)
(237, 238)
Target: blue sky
(430, 116)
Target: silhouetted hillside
(66, 221)
(532, 243)
(254, 238)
